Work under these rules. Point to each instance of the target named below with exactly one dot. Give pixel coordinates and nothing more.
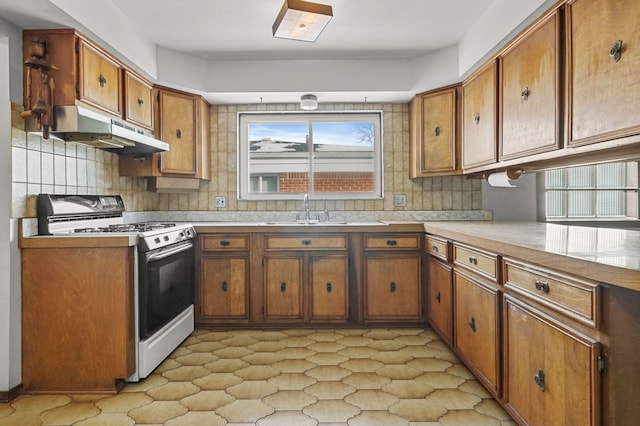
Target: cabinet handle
(225, 286)
(473, 260)
(616, 51)
(283, 287)
(477, 118)
(434, 248)
(472, 324)
(392, 242)
(140, 101)
(306, 242)
(392, 287)
(525, 94)
(329, 288)
(102, 79)
(539, 379)
(437, 131)
(225, 243)
(438, 296)
(542, 286)
(178, 133)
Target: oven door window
(166, 286)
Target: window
(327, 155)
(595, 192)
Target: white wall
(9, 258)
(512, 204)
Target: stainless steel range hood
(78, 124)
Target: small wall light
(301, 20)
(309, 102)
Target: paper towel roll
(500, 179)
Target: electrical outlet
(221, 202)
(400, 200)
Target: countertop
(603, 254)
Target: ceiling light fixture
(301, 20)
(309, 102)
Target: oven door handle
(166, 253)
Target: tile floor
(298, 377)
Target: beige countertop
(603, 254)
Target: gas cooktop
(127, 227)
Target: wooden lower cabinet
(440, 298)
(329, 278)
(392, 287)
(283, 292)
(307, 287)
(551, 372)
(477, 328)
(78, 325)
(224, 288)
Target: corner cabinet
(435, 133)
(603, 56)
(530, 91)
(392, 278)
(479, 124)
(439, 288)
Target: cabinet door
(283, 295)
(477, 329)
(436, 137)
(329, 287)
(178, 129)
(392, 287)
(550, 371)
(439, 298)
(224, 287)
(100, 79)
(138, 105)
(603, 91)
(530, 96)
(479, 106)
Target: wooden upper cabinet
(603, 79)
(177, 127)
(100, 79)
(479, 106)
(138, 100)
(435, 135)
(530, 77)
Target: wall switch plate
(400, 200)
(221, 202)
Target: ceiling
(240, 30)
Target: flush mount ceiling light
(301, 20)
(309, 102)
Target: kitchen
(443, 194)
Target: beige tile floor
(297, 377)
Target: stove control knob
(157, 240)
(166, 238)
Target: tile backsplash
(52, 166)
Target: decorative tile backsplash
(52, 166)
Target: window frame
(245, 118)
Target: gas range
(104, 214)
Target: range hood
(78, 124)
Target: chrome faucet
(305, 204)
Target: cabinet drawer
(305, 242)
(224, 242)
(576, 297)
(392, 241)
(482, 262)
(437, 247)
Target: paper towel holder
(503, 178)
